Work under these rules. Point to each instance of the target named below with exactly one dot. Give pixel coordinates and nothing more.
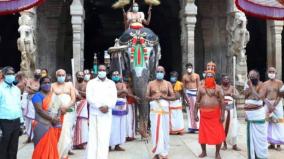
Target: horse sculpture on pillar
(136, 54)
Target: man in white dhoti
(255, 116)
(32, 87)
(130, 117)
(190, 82)
(176, 115)
(102, 95)
(159, 93)
(67, 95)
(231, 119)
(119, 112)
(274, 109)
(81, 128)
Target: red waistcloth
(211, 130)
(47, 146)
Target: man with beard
(231, 120)
(81, 129)
(255, 116)
(274, 109)
(190, 82)
(28, 108)
(210, 101)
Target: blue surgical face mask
(46, 87)
(159, 75)
(173, 79)
(61, 79)
(115, 78)
(87, 77)
(135, 9)
(102, 74)
(10, 78)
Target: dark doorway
(103, 24)
(257, 46)
(9, 54)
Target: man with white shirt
(101, 94)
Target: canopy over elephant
(136, 55)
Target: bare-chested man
(32, 86)
(67, 95)
(159, 93)
(190, 82)
(274, 108)
(255, 116)
(210, 102)
(118, 128)
(231, 120)
(81, 129)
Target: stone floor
(181, 147)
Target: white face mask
(135, 9)
(271, 75)
(102, 74)
(189, 70)
(87, 77)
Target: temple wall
(54, 35)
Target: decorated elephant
(136, 55)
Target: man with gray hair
(10, 115)
(66, 93)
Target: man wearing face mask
(32, 87)
(10, 115)
(87, 75)
(231, 119)
(190, 82)
(119, 112)
(81, 129)
(176, 115)
(136, 19)
(210, 102)
(101, 94)
(67, 96)
(159, 93)
(255, 117)
(274, 108)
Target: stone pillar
(78, 15)
(27, 41)
(274, 45)
(238, 37)
(190, 12)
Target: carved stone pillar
(78, 15)
(238, 37)
(274, 45)
(27, 41)
(190, 12)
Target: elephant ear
(154, 60)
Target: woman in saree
(47, 122)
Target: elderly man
(81, 129)
(255, 116)
(102, 95)
(67, 95)
(190, 82)
(10, 115)
(231, 119)
(274, 109)
(210, 101)
(159, 93)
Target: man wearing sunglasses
(159, 93)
